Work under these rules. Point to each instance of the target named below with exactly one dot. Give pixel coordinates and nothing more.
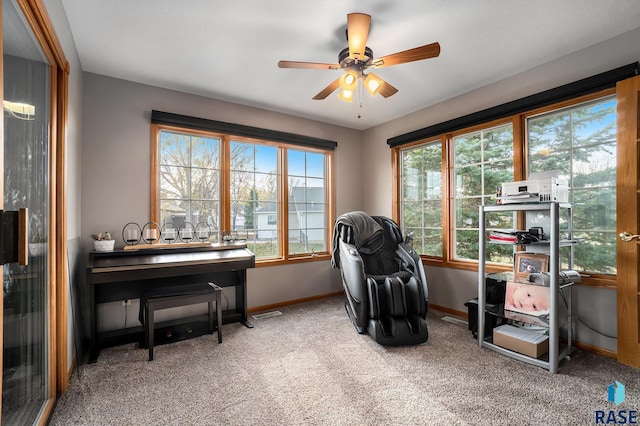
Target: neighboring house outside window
(307, 213)
(254, 185)
(236, 185)
(189, 179)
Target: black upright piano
(124, 274)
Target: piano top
(139, 260)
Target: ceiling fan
(357, 58)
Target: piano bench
(156, 299)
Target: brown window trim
(520, 161)
(283, 256)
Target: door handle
(627, 236)
(14, 236)
(23, 236)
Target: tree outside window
(190, 180)
(580, 142)
(482, 160)
(421, 195)
(245, 196)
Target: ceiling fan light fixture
(372, 83)
(357, 58)
(349, 81)
(346, 95)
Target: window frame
(520, 162)
(452, 176)
(283, 256)
(398, 191)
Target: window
(307, 212)
(482, 160)
(254, 196)
(189, 179)
(580, 142)
(577, 137)
(421, 195)
(236, 184)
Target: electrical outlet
(126, 303)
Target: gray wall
(108, 167)
(116, 176)
(451, 287)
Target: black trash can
(490, 321)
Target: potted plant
(103, 241)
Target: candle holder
(168, 232)
(150, 233)
(230, 237)
(203, 232)
(131, 233)
(186, 232)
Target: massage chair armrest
(352, 270)
(408, 254)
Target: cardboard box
(521, 340)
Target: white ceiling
(229, 50)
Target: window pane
(189, 180)
(254, 196)
(192, 187)
(432, 241)
(421, 207)
(207, 212)
(496, 173)
(466, 244)
(482, 161)
(498, 144)
(307, 202)
(296, 163)
(467, 210)
(581, 142)
(262, 234)
(204, 184)
(594, 166)
(468, 181)
(174, 149)
(174, 182)
(551, 161)
(315, 165)
(467, 149)
(413, 215)
(549, 133)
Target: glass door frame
(40, 23)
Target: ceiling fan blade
(328, 90)
(387, 90)
(416, 54)
(308, 65)
(357, 33)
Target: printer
(539, 187)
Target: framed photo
(529, 263)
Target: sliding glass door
(27, 78)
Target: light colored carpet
(309, 366)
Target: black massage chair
(383, 278)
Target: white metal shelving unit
(556, 351)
